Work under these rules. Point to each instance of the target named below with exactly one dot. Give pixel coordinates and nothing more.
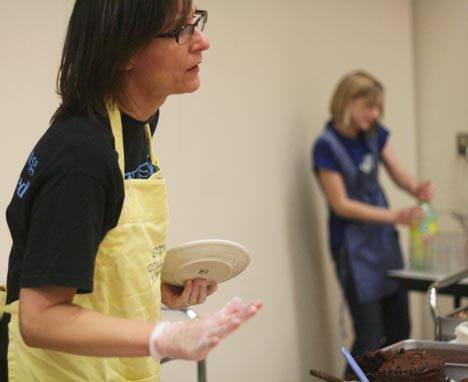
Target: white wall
(236, 154)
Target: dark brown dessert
(415, 365)
(412, 365)
(372, 361)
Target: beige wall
(236, 154)
(31, 35)
(441, 59)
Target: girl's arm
(422, 191)
(335, 191)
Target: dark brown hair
(102, 37)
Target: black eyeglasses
(184, 34)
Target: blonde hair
(353, 85)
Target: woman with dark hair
(89, 215)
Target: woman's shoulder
(73, 130)
(76, 144)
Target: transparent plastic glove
(194, 339)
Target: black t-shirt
(69, 195)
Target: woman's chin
(189, 87)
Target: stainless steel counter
(421, 280)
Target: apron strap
(116, 126)
(350, 170)
(372, 142)
(115, 120)
(150, 145)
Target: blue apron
(370, 249)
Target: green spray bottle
(422, 238)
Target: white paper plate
(214, 260)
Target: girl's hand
(424, 190)
(410, 216)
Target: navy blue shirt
(360, 153)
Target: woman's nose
(199, 41)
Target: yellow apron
(126, 284)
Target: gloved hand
(194, 339)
